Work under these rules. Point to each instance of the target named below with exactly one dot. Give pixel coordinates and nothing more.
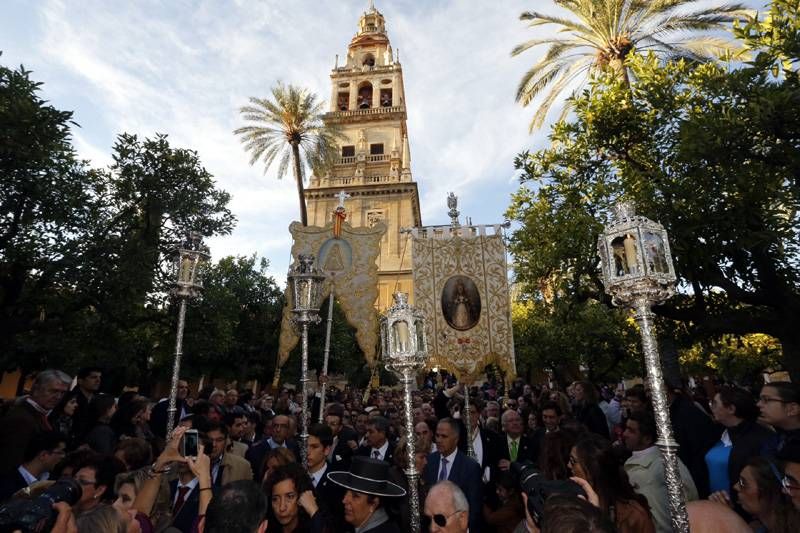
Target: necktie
(443, 471)
(376, 454)
(514, 450)
(182, 491)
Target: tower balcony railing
(367, 68)
(377, 158)
(345, 181)
(351, 159)
(347, 160)
(365, 112)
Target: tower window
(342, 101)
(386, 98)
(369, 60)
(365, 96)
(376, 149)
(348, 151)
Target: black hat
(369, 476)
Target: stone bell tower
(368, 106)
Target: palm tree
(604, 33)
(289, 127)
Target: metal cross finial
(342, 196)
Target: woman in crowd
(107, 519)
(368, 487)
(134, 453)
(554, 456)
(422, 446)
(761, 494)
(586, 409)
(61, 417)
(130, 420)
(276, 458)
(593, 459)
(96, 478)
(742, 439)
(511, 509)
(102, 438)
(293, 508)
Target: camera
(539, 489)
(38, 514)
(189, 444)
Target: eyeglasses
(789, 483)
(438, 519)
(767, 399)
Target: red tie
(182, 491)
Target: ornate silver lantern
(305, 291)
(405, 351)
(188, 265)
(637, 272)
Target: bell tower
(368, 106)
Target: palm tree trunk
(298, 178)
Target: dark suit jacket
(342, 453)
(466, 473)
(696, 434)
(366, 451)
(158, 417)
(186, 515)
(16, 430)
(11, 483)
(525, 451)
(329, 498)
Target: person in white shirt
(42, 454)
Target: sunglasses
(438, 519)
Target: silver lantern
(188, 267)
(638, 272)
(405, 351)
(305, 291)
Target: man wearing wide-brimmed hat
(367, 483)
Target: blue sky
(185, 67)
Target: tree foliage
(712, 152)
(600, 35)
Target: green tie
(513, 450)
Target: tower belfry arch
(368, 106)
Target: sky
(184, 68)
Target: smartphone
(189, 443)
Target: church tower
(374, 167)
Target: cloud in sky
(184, 68)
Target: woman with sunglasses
(367, 488)
(761, 494)
(742, 439)
(593, 460)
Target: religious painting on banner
(349, 262)
(461, 285)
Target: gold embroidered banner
(461, 284)
(350, 265)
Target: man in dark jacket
(696, 434)
(158, 417)
(378, 445)
(344, 438)
(29, 417)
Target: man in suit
(88, 384)
(449, 463)
(184, 499)
(43, 453)
(344, 438)
(236, 420)
(158, 417)
(551, 421)
(29, 417)
(279, 439)
(513, 445)
(329, 495)
(225, 467)
(377, 445)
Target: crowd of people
(527, 457)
